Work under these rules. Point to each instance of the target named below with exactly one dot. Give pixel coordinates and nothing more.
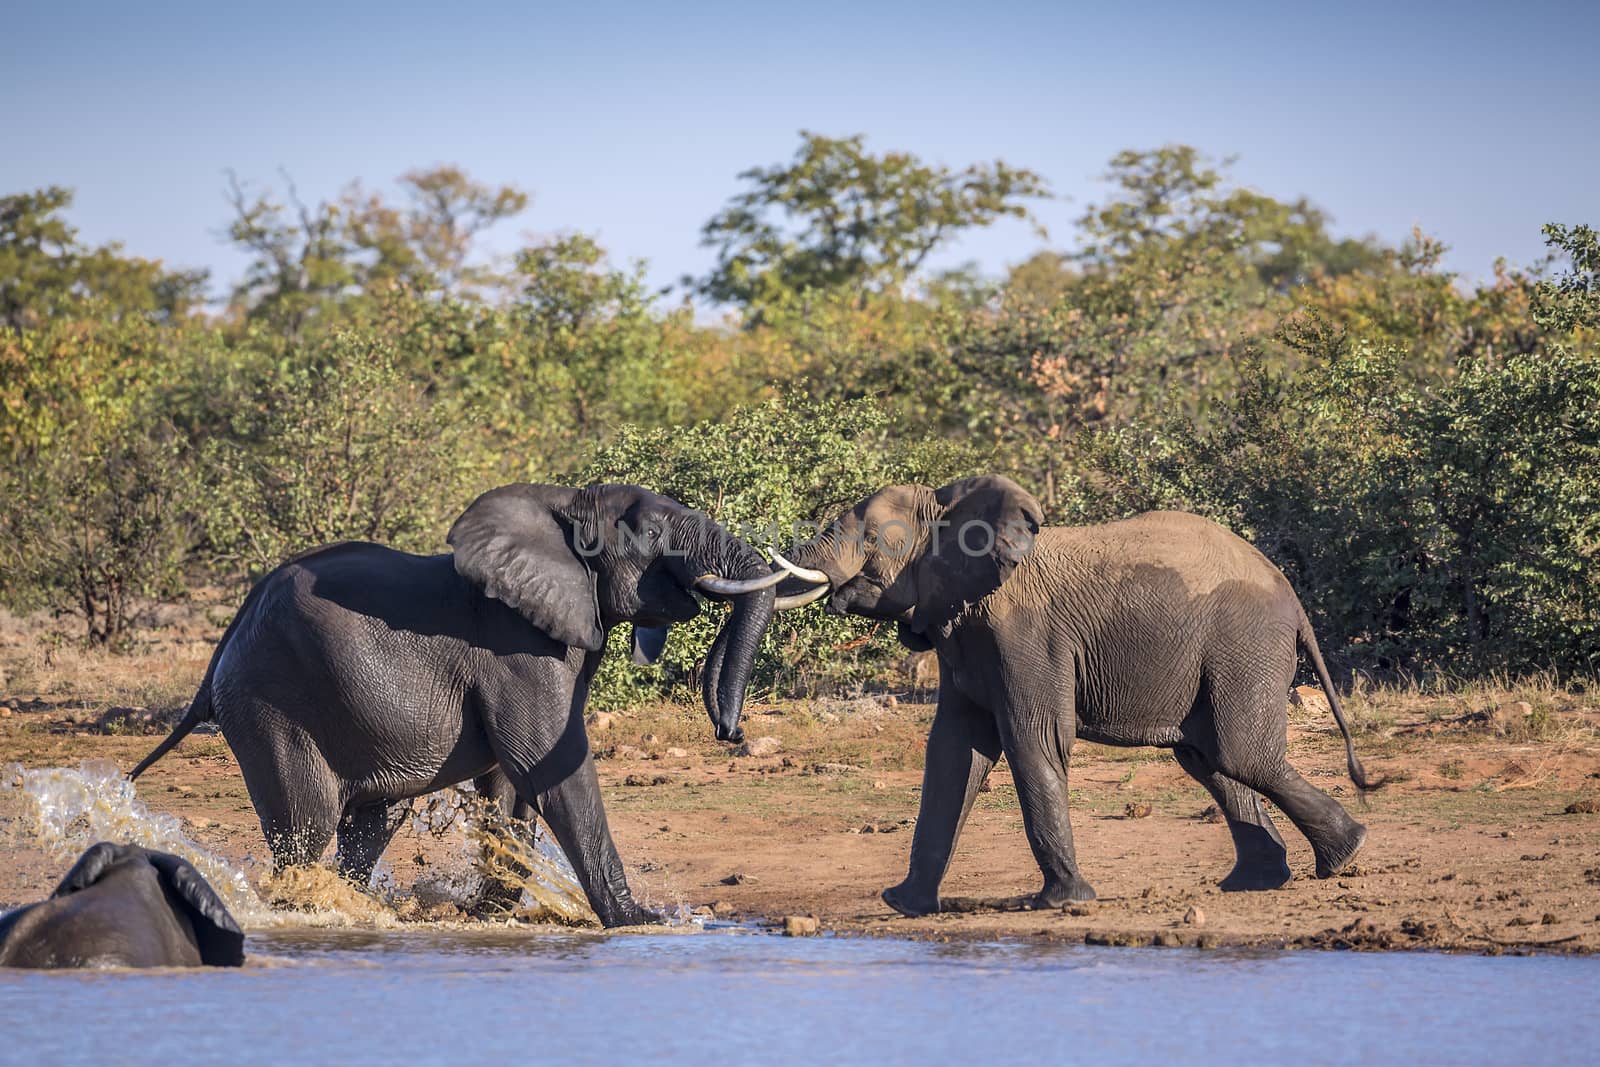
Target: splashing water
(517, 869)
(64, 811)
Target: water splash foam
(64, 811)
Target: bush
(763, 473)
(1450, 527)
(338, 445)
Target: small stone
(199, 822)
(985, 787)
(601, 720)
(1137, 810)
(891, 701)
(5, 713)
(1194, 917)
(723, 908)
(1168, 939)
(759, 747)
(676, 753)
(1504, 717)
(868, 828)
(739, 878)
(1548, 919)
(880, 785)
(650, 739)
(1583, 807)
(1210, 814)
(800, 926)
(627, 752)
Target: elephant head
(576, 562)
(916, 556)
(122, 905)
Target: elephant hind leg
(1260, 862)
(296, 798)
(364, 832)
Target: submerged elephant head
(124, 906)
(915, 555)
(576, 562)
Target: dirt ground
(1485, 839)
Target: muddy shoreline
(1486, 840)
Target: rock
(985, 787)
(833, 768)
(1194, 917)
(1137, 810)
(1208, 941)
(1118, 938)
(650, 739)
(676, 753)
(722, 908)
(1210, 814)
(827, 718)
(760, 746)
(1583, 807)
(880, 785)
(1548, 919)
(5, 713)
(199, 822)
(1077, 908)
(602, 720)
(739, 878)
(627, 752)
(1168, 939)
(801, 926)
(1310, 698)
(1503, 718)
(647, 779)
(869, 828)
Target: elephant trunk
(731, 660)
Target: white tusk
(735, 587)
(805, 573)
(800, 600)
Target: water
(424, 996)
(340, 978)
(64, 810)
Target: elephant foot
(909, 904)
(1336, 860)
(635, 915)
(1059, 892)
(1257, 876)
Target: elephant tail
(1308, 641)
(199, 712)
(200, 709)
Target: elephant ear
(91, 867)
(988, 526)
(516, 545)
(216, 932)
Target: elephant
(124, 906)
(356, 677)
(1164, 629)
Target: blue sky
(631, 121)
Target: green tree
(45, 271)
(838, 216)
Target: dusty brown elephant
(1164, 629)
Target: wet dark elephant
(124, 906)
(356, 677)
(1164, 629)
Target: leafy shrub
(338, 445)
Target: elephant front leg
(1260, 862)
(573, 811)
(1037, 751)
(962, 748)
